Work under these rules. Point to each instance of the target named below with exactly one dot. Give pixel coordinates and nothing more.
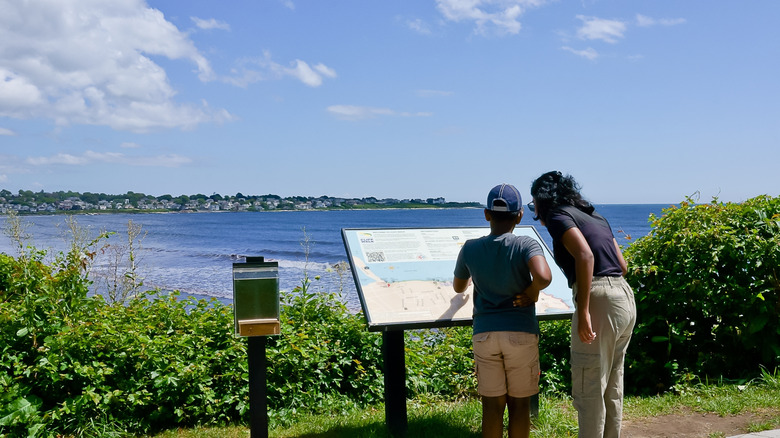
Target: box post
(256, 315)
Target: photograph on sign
(404, 276)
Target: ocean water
(194, 252)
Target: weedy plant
(118, 275)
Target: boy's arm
(541, 278)
(540, 272)
(460, 284)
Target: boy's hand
(522, 300)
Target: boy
(505, 335)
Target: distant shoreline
(141, 211)
(136, 211)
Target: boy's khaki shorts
(507, 363)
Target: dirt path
(692, 425)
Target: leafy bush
(707, 291)
(554, 355)
(72, 363)
(440, 362)
(76, 364)
(324, 360)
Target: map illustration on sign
(404, 276)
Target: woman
(587, 252)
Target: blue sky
(642, 101)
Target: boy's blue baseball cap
(507, 196)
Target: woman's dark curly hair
(553, 190)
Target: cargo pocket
(536, 373)
(585, 375)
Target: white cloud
(354, 112)
(88, 62)
(671, 21)
(129, 145)
(502, 15)
(601, 29)
(325, 70)
(645, 21)
(3, 178)
(433, 93)
(418, 26)
(91, 157)
(308, 75)
(18, 94)
(253, 70)
(588, 53)
(210, 24)
(305, 74)
(6, 131)
(288, 4)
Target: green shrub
(82, 365)
(707, 291)
(554, 356)
(76, 364)
(36, 302)
(440, 362)
(324, 360)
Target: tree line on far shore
(27, 201)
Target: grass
(557, 419)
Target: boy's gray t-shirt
(498, 267)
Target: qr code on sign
(375, 257)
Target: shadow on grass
(426, 427)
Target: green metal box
(256, 297)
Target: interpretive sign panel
(404, 277)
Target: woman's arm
(621, 260)
(578, 247)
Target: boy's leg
(491, 382)
(521, 356)
(519, 417)
(493, 416)
(507, 363)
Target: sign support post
(394, 358)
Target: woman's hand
(584, 328)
